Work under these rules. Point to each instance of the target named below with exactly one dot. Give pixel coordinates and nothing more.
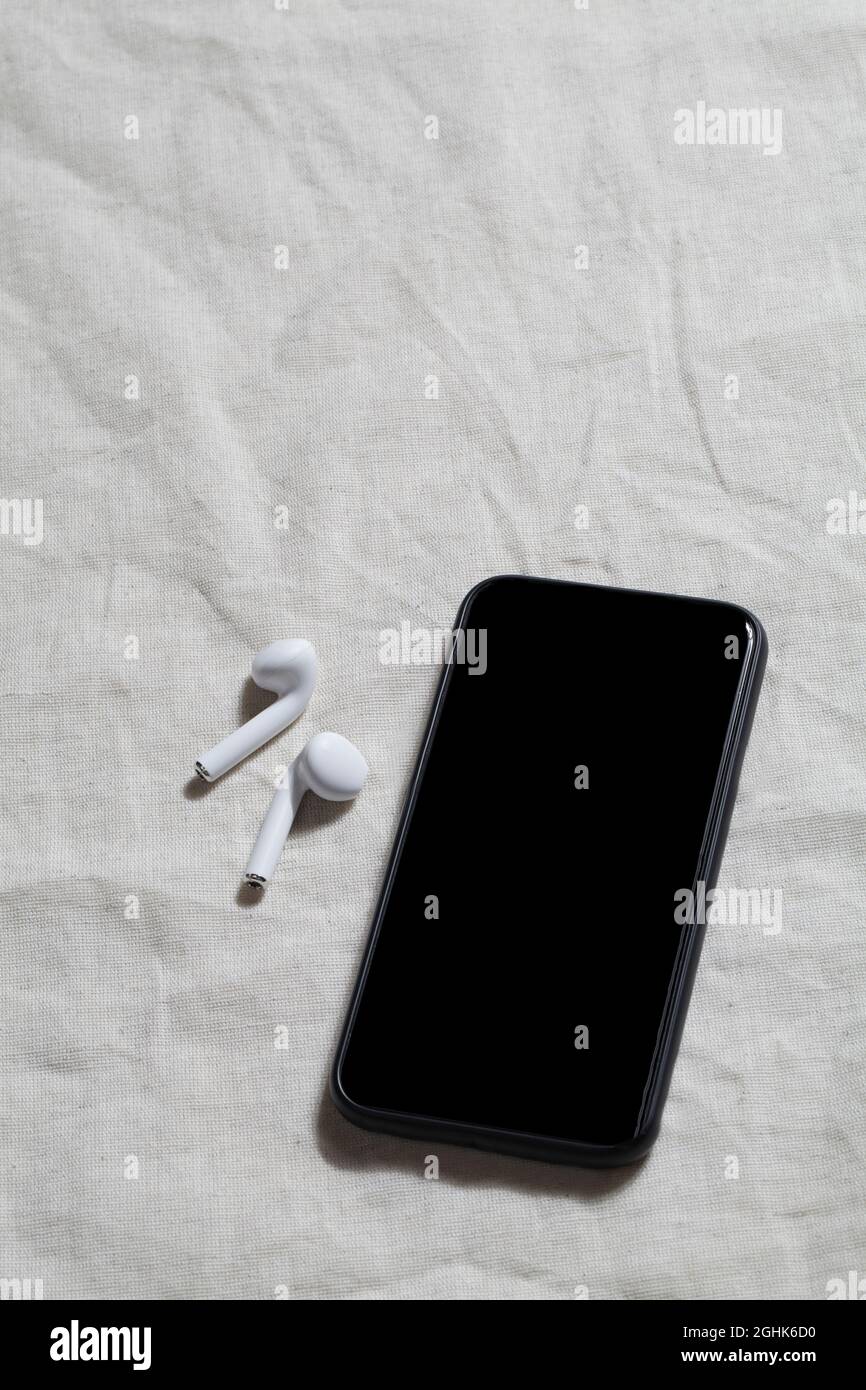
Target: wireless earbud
(289, 669)
(331, 767)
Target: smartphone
(528, 971)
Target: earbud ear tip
(279, 665)
(335, 769)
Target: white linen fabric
(313, 315)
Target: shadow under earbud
(314, 813)
(253, 700)
(196, 788)
(249, 897)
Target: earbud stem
(241, 742)
(275, 829)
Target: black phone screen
(524, 955)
